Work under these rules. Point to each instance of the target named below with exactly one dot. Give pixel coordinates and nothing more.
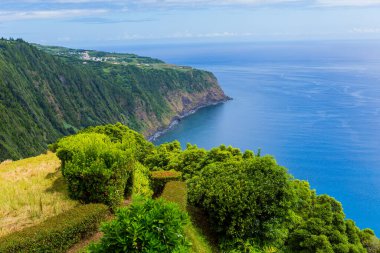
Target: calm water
(315, 106)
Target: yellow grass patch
(31, 190)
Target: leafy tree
(160, 158)
(126, 137)
(223, 154)
(321, 224)
(190, 161)
(370, 242)
(248, 199)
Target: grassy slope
(31, 191)
(205, 240)
(176, 191)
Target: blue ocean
(313, 105)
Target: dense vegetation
(145, 226)
(98, 162)
(46, 93)
(254, 205)
(251, 203)
(95, 169)
(58, 233)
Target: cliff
(49, 92)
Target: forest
(50, 92)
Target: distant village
(87, 57)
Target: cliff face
(181, 103)
(46, 93)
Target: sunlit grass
(199, 243)
(31, 190)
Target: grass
(166, 175)
(176, 191)
(32, 190)
(199, 244)
(206, 239)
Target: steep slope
(45, 95)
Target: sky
(81, 23)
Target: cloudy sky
(99, 22)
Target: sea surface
(314, 105)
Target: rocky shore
(177, 119)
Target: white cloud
(158, 2)
(255, 2)
(48, 14)
(200, 3)
(348, 3)
(58, 1)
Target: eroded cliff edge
(49, 92)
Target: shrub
(320, 225)
(141, 182)
(241, 246)
(169, 156)
(369, 241)
(190, 161)
(125, 137)
(223, 154)
(145, 226)
(95, 169)
(247, 199)
(53, 147)
(160, 178)
(162, 155)
(176, 192)
(58, 233)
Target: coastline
(177, 119)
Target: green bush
(95, 169)
(320, 225)
(126, 138)
(190, 161)
(169, 156)
(141, 182)
(160, 178)
(56, 234)
(242, 246)
(145, 226)
(163, 155)
(53, 147)
(369, 241)
(176, 192)
(247, 199)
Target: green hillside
(49, 92)
(165, 199)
